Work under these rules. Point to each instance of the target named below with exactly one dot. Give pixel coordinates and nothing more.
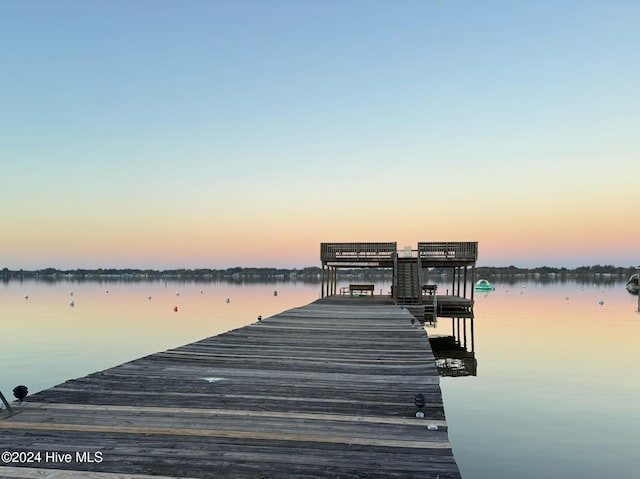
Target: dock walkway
(324, 390)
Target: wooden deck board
(324, 390)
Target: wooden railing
(449, 250)
(361, 251)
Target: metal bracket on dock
(9, 411)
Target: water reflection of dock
(455, 354)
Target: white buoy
(601, 302)
(26, 296)
(149, 296)
(106, 291)
(177, 294)
(71, 293)
(201, 292)
(227, 300)
(72, 303)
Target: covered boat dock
(410, 272)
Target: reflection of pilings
(473, 347)
(460, 333)
(464, 329)
(455, 354)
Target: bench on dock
(429, 289)
(361, 288)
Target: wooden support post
(638, 271)
(473, 280)
(6, 404)
(453, 281)
(333, 281)
(464, 283)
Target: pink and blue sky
(162, 134)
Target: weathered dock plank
(325, 390)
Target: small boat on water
(632, 284)
(484, 285)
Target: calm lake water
(556, 394)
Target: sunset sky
(162, 134)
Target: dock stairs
(408, 281)
(409, 284)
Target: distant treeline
(600, 273)
(312, 274)
(548, 270)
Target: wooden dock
(324, 390)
